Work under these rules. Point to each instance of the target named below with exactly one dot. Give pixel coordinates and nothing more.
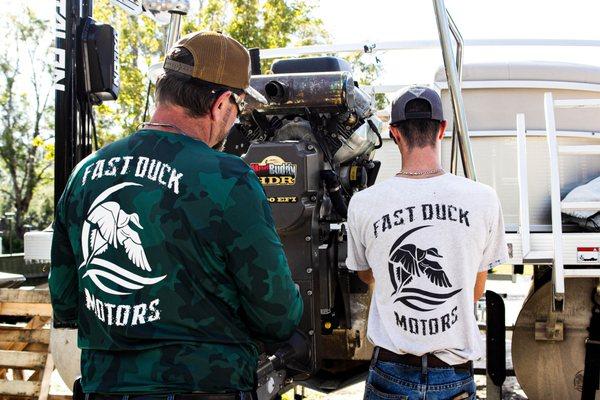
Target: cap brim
(256, 95)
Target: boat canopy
(495, 92)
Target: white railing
(373, 47)
(523, 187)
(558, 275)
(555, 256)
(529, 256)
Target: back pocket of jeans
(465, 396)
(374, 393)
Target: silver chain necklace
(165, 125)
(420, 173)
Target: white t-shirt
(426, 240)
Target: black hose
(374, 129)
(94, 133)
(146, 106)
(333, 187)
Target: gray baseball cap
(416, 92)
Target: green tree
(263, 24)
(141, 42)
(25, 111)
(367, 68)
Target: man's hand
(479, 285)
(366, 276)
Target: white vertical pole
(174, 30)
(557, 270)
(460, 117)
(523, 185)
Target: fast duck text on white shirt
(424, 212)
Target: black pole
(495, 344)
(10, 232)
(67, 14)
(591, 371)
(70, 105)
(86, 8)
(255, 61)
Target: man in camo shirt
(164, 250)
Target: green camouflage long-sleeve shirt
(165, 253)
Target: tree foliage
(367, 68)
(140, 42)
(263, 24)
(26, 152)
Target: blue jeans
(390, 380)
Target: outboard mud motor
(312, 147)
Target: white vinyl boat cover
(527, 71)
(590, 192)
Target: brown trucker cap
(218, 59)
(399, 113)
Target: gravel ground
(510, 391)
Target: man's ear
(219, 105)
(394, 134)
(442, 131)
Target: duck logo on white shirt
(407, 263)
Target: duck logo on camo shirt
(108, 225)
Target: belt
(176, 396)
(424, 361)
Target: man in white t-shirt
(426, 238)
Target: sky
(354, 21)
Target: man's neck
(421, 160)
(180, 121)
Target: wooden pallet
(26, 364)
